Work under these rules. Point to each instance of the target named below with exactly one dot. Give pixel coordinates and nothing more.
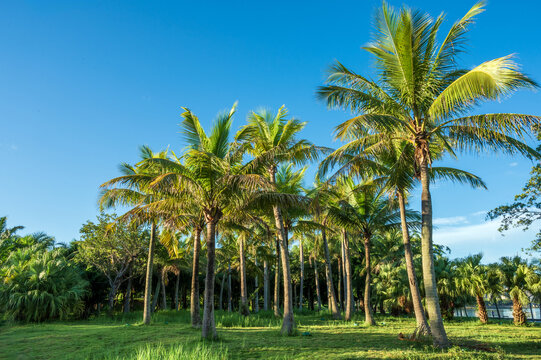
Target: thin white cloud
(483, 238)
(449, 221)
(479, 213)
(513, 164)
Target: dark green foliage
(40, 284)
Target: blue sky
(83, 84)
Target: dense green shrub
(40, 284)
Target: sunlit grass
(258, 337)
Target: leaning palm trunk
(348, 282)
(288, 323)
(208, 328)
(339, 285)
(256, 284)
(429, 275)
(519, 318)
(333, 307)
(301, 255)
(243, 290)
(265, 285)
(482, 309)
(368, 312)
(277, 281)
(194, 296)
(127, 297)
(316, 277)
(177, 285)
(420, 317)
(498, 309)
(162, 283)
(147, 310)
(229, 292)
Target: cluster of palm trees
(467, 280)
(244, 185)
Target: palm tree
(132, 189)
(515, 275)
(212, 177)
(422, 97)
(271, 139)
(494, 286)
(366, 212)
(322, 205)
(472, 278)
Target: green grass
(257, 337)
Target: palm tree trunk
(437, 329)
(127, 297)
(422, 324)
(243, 290)
(519, 318)
(301, 284)
(343, 269)
(531, 311)
(288, 323)
(147, 310)
(256, 284)
(177, 284)
(368, 312)
(208, 330)
(265, 285)
(482, 309)
(220, 304)
(348, 277)
(497, 309)
(229, 293)
(277, 281)
(194, 295)
(316, 277)
(164, 296)
(156, 292)
(339, 289)
(333, 306)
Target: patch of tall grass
(177, 352)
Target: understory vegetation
(170, 336)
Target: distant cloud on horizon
(464, 238)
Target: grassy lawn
(257, 337)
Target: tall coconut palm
(210, 174)
(367, 212)
(322, 204)
(423, 97)
(132, 189)
(271, 139)
(393, 164)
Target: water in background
(506, 312)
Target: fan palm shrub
(40, 284)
